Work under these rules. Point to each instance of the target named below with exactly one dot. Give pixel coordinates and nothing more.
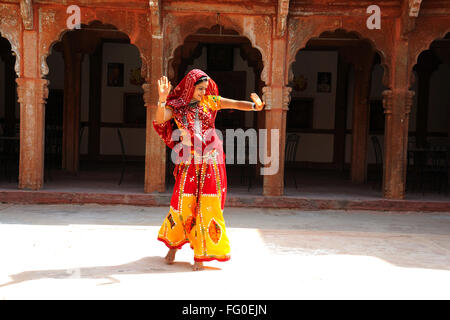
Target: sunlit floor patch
(96, 256)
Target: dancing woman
(196, 208)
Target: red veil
(180, 97)
(182, 94)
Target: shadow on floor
(401, 250)
(147, 265)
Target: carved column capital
(387, 101)
(32, 91)
(267, 97)
(286, 97)
(409, 102)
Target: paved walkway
(111, 252)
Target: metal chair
(247, 169)
(53, 149)
(438, 171)
(290, 153)
(9, 156)
(124, 156)
(378, 160)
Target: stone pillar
(155, 149)
(31, 96)
(397, 102)
(32, 92)
(71, 112)
(362, 59)
(276, 97)
(277, 101)
(397, 107)
(360, 124)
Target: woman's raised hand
(259, 105)
(164, 88)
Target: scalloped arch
(13, 19)
(134, 25)
(208, 23)
(321, 31)
(427, 44)
(424, 47)
(16, 51)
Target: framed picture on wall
(115, 75)
(323, 81)
(134, 110)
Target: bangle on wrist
(253, 106)
(162, 104)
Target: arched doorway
(9, 117)
(429, 129)
(335, 121)
(236, 66)
(95, 114)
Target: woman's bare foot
(198, 266)
(170, 257)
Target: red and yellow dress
(196, 208)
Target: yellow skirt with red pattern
(196, 209)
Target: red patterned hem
(179, 246)
(211, 258)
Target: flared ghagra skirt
(196, 209)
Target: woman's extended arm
(256, 105)
(162, 113)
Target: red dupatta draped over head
(179, 100)
(182, 94)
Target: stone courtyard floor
(111, 252)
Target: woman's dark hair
(204, 78)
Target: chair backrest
(377, 150)
(81, 133)
(53, 139)
(122, 146)
(290, 151)
(439, 159)
(80, 137)
(439, 144)
(411, 142)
